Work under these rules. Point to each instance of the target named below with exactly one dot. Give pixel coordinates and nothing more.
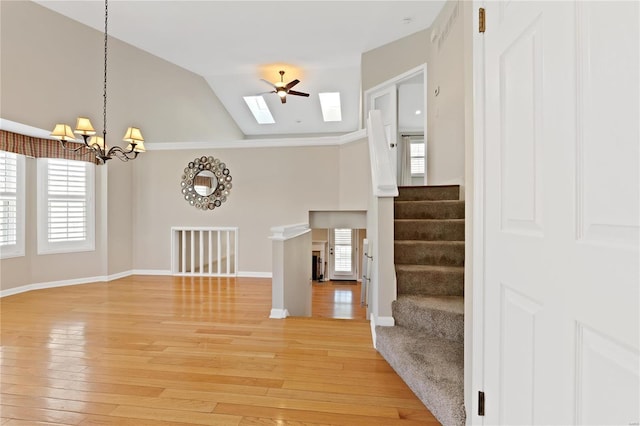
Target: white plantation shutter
(66, 201)
(8, 198)
(417, 158)
(66, 207)
(11, 204)
(342, 250)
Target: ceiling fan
(283, 90)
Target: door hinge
(481, 20)
(480, 403)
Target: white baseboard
(250, 274)
(51, 284)
(279, 313)
(107, 278)
(383, 322)
(151, 272)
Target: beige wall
(35, 269)
(355, 175)
(52, 71)
(43, 80)
(271, 187)
(389, 61)
(445, 112)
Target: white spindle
(183, 252)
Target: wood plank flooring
(149, 350)
(337, 299)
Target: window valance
(41, 148)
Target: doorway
(402, 104)
(336, 289)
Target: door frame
(355, 243)
(394, 82)
(474, 270)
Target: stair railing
(382, 281)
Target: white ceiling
(234, 44)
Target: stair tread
(432, 242)
(431, 366)
(428, 268)
(407, 220)
(431, 202)
(452, 304)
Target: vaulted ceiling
(235, 44)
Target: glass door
(342, 254)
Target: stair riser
(431, 230)
(432, 283)
(420, 253)
(443, 324)
(410, 193)
(429, 210)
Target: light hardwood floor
(149, 350)
(337, 299)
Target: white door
(342, 254)
(561, 216)
(386, 101)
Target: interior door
(342, 254)
(561, 216)
(386, 101)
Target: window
(11, 204)
(342, 248)
(417, 158)
(66, 212)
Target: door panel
(561, 219)
(386, 101)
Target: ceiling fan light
(282, 93)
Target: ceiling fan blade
(268, 82)
(264, 93)
(283, 99)
(292, 83)
(293, 92)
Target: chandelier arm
(67, 148)
(116, 151)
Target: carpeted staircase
(426, 346)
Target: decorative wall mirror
(206, 183)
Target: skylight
(330, 104)
(259, 109)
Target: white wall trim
(382, 322)
(151, 272)
(386, 322)
(261, 143)
(279, 314)
(397, 79)
(23, 129)
(251, 274)
(64, 283)
(12, 126)
(287, 232)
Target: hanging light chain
(104, 110)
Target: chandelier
(97, 144)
